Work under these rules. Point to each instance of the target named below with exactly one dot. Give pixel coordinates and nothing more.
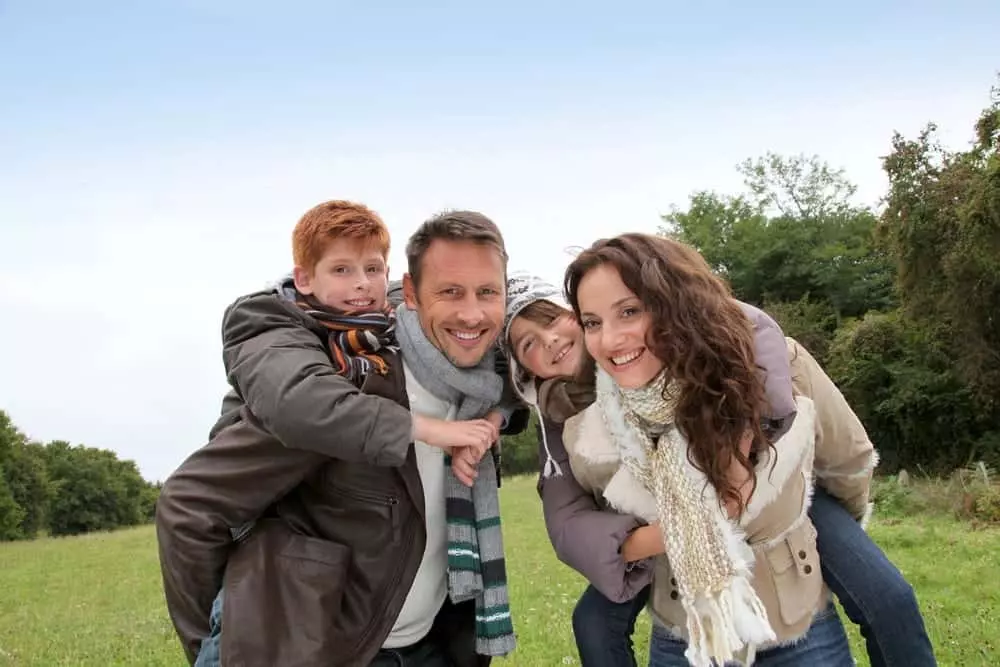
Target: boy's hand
(479, 434)
(465, 464)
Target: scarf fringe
(723, 625)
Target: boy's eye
(374, 269)
(340, 269)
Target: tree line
(899, 300)
(60, 489)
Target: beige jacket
(826, 441)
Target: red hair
(336, 219)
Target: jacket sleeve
(585, 537)
(281, 370)
(845, 456)
(230, 481)
(771, 355)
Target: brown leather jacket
(321, 577)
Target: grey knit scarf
(476, 566)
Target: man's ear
(409, 291)
(303, 280)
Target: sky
(155, 155)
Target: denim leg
(873, 592)
(664, 650)
(603, 629)
(210, 653)
(824, 645)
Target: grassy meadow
(96, 599)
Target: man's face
(460, 299)
(351, 276)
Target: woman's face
(615, 326)
(549, 351)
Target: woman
(546, 343)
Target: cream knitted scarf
(707, 552)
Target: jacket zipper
(369, 496)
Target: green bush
(520, 452)
(899, 378)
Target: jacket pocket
(386, 505)
(794, 567)
(283, 597)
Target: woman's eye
(589, 324)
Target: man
(356, 560)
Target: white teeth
(562, 353)
(465, 335)
(625, 358)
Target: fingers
(464, 465)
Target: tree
(94, 490)
(793, 242)
(25, 475)
(11, 513)
(942, 227)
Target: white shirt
(430, 587)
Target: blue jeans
(872, 591)
(603, 629)
(823, 645)
(210, 654)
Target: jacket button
(673, 595)
(673, 581)
(807, 569)
(802, 554)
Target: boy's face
(351, 275)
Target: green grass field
(96, 600)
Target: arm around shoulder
(281, 369)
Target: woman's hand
(643, 542)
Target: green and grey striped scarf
(476, 566)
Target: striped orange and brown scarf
(357, 340)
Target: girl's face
(615, 327)
(549, 351)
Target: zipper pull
(394, 515)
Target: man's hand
(480, 434)
(465, 464)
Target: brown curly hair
(704, 339)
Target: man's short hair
(452, 226)
(336, 219)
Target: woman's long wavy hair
(704, 339)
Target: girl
(554, 373)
